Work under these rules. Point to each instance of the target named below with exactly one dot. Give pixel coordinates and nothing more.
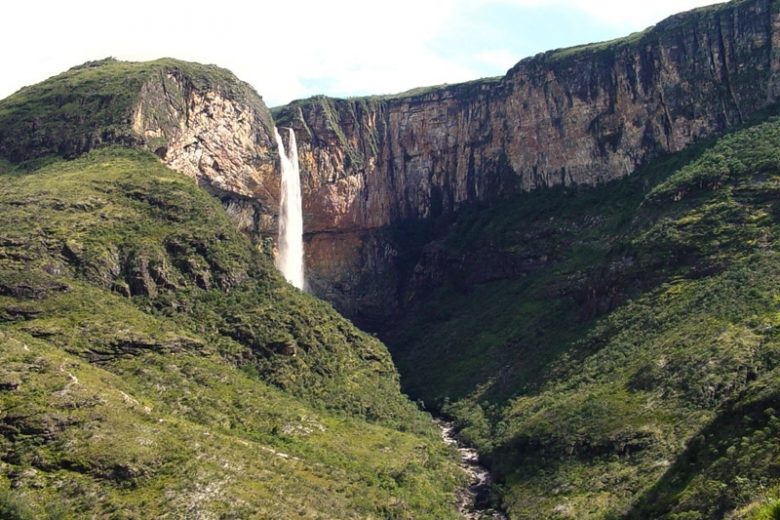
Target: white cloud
(633, 15)
(286, 49)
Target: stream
(473, 501)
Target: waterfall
(290, 258)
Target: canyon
(579, 116)
(375, 167)
(574, 264)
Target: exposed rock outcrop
(216, 137)
(574, 116)
(370, 165)
(219, 137)
(199, 119)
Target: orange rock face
(373, 165)
(217, 137)
(578, 116)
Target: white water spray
(290, 258)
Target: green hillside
(152, 362)
(625, 364)
(612, 352)
(92, 105)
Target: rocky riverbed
(473, 500)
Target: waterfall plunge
(290, 258)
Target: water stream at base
(472, 500)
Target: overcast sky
(290, 49)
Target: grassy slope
(153, 362)
(635, 372)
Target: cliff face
(575, 116)
(220, 138)
(199, 119)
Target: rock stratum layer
(581, 116)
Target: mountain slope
(613, 351)
(153, 363)
(199, 119)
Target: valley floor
(473, 500)
(614, 352)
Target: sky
(291, 49)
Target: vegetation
(338, 114)
(627, 367)
(613, 352)
(153, 363)
(92, 105)
(283, 112)
(624, 43)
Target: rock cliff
(133, 311)
(199, 119)
(578, 116)
(581, 116)
(220, 137)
